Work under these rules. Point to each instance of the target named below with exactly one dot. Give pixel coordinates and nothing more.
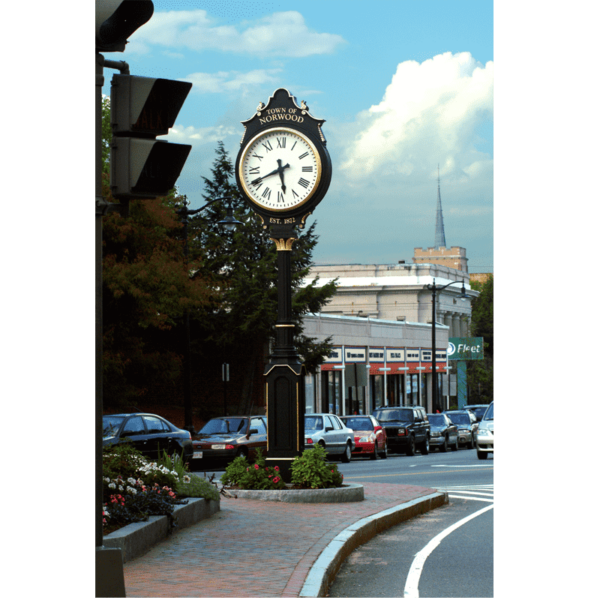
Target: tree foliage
(146, 290)
(480, 374)
(244, 266)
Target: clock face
(280, 169)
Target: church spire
(440, 236)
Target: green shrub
(312, 471)
(193, 486)
(121, 461)
(256, 476)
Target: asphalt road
(447, 553)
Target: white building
(380, 317)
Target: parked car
(150, 434)
(407, 428)
(225, 438)
(328, 431)
(444, 433)
(369, 436)
(465, 420)
(555, 427)
(477, 409)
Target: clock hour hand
(259, 179)
(280, 170)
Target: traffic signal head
(116, 20)
(141, 109)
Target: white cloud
(207, 83)
(200, 135)
(428, 115)
(279, 34)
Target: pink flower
(276, 468)
(256, 467)
(276, 480)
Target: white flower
(131, 480)
(131, 490)
(106, 479)
(112, 486)
(120, 488)
(186, 479)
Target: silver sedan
(328, 431)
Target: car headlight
(401, 431)
(367, 438)
(436, 434)
(464, 431)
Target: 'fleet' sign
(470, 348)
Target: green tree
(480, 373)
(146, 291)
(243, 265)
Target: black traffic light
(116, 20)
(142, 108)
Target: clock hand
(280, 170)
(264, 177)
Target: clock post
(283, 170)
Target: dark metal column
(284, 385)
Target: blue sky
(403, 86)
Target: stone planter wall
(137, 538)
(349, 492)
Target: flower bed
(309, 471)
(134, 488)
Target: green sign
(467, 348)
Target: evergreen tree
(243, 265)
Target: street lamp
(434, 289)
(229, 223)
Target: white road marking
(411, 588)
(471, 498)
(461, 466)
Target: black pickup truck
(407, 428)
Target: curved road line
(411, 588)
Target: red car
(369, 435)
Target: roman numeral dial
(280, 169)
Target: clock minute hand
(264, 176)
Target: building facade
(398, 293)
(395, 359)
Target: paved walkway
(253, 548)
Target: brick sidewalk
(253, 548)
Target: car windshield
(489, 415)
(400, 414)
(459, 418)
(358, 423)
(313, 423)
(437, 420)
(479, 411)
(233, 425)
(110, 426)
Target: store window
(309, 393)
(376, 391)
(332, 392)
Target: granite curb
(327, 565)
(349, 492)
(136, 539)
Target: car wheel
(375, 454)
(481, 455)
(425, 447)
(410, 451)
(444, 446)
(347, 453)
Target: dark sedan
(150, 434)
(467, 426)
(444, 433)
(225, 438)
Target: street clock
(283, 168)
